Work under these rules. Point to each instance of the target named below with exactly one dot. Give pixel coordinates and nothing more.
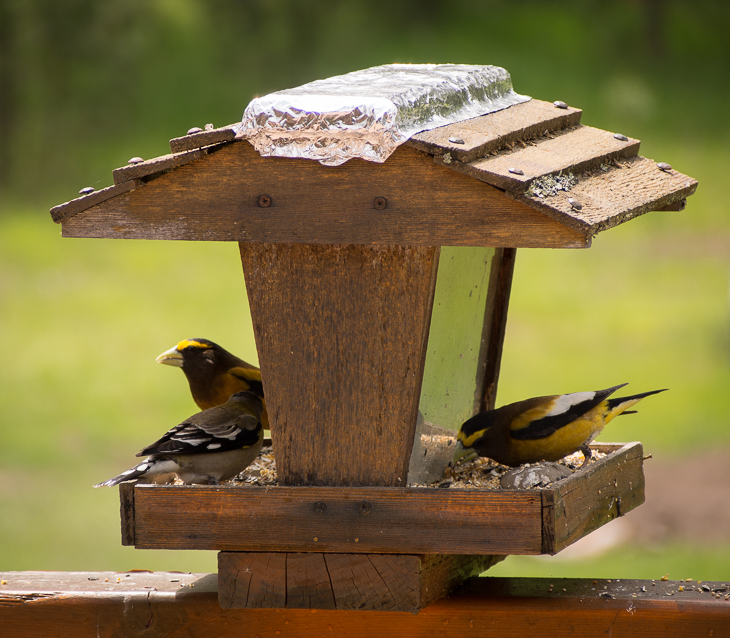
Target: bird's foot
(586, 455)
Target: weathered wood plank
(494, 336)
(155, 165)
(606, 490)
(341, 334)
(64, 211)
(126, 511)
(204, 138)
(495, 131)
(218, 200)
(355, 519)
(68, 605)
(251, 579)
(376, 582)
(357, 584)
(338, 520)
(612, 196)
(575, 150)
(308, 582)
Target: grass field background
(82, 320)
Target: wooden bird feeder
(376, 290)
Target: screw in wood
(264, 201)
(380, 203)
(364, 508)
(135, 160)
(86, 191)
(456, 140)
(560, 104)
(574, 203)
(663, 166)
(621, 137)
(320, 507)
(195, 129)
(516, 171)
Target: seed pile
(481, 473)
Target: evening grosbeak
(207, 448)
(213, 373)
(542, 429)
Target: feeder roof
(529, 175)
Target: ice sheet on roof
(368, 113)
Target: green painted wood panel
(452, 378)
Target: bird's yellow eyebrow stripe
(191, 343)
(468, 441)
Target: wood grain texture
(69, 605)
(64, 211)
(338, 520)
(155, 165)
(495, 131)
(252, 579)
(341, 335)
(390, 520)
(375, 582)
(613, 196)
(575, 150)
(204, 138)
(496, 325)
(606, 490)
(126, 512)
(216, 199)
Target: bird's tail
(621, 405)
(146, 469)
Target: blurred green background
(86, 85)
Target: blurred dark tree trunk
(655, 20)
(7, 91)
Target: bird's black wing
(543, 427)
(225, 430)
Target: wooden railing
(109, 604)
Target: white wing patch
(192, 441)
(566, 401)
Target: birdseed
(480, 473)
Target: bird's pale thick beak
(171, 357)
(460, 452)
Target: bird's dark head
(472, 434)
(192, 353)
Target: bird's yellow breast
(563, 441)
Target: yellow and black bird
(207, 448)
(213, 373)
(544, 428)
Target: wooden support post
(501, 286)
(341, 333)
(380, 582)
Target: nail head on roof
(574, 203)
